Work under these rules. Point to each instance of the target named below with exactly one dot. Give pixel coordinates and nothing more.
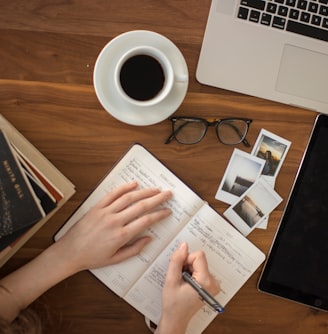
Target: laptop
(273, 49)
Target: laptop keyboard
(306, 17)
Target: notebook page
(231, 257)
(138, 164)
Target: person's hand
(179, 300)
(107, 233)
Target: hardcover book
(25, 171)
(139, 280)
(19, 206)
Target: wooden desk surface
(48, 51)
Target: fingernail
(183, 245)
(168, 193)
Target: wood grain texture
(47, 51)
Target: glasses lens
(189, 131)
(232, 131)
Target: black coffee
(142, 77)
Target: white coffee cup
(144, 76)
(116, 98)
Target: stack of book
(31, 190)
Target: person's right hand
(179, 300)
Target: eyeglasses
(191, 130)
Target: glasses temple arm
(246, 143)
(170, 138)
(175, 132)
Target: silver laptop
(273, 49)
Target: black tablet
(297, 265)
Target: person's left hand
(103, 236)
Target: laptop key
(294, 14)
(283, 11)
(313, 7)
(254, 16)
(266, 19)
(316, 20)
(256, 4)
(271, 8)
(307, 30)
(323, 10)
(302, 4)
(291, 3)
(243, 13)
(325, 23)
(305, 17)
(279, 22)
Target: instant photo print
(253, 207)
(273, 150)
(242, 171)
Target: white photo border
(267, 139)
(240, 164)
(253, 207)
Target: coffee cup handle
(181, 78)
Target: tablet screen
(297, 266)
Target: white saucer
(103, 78)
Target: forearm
(25, 285)
(106, 235)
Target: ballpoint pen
(204, 295)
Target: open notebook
(139, 280)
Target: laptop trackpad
(303, 73)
